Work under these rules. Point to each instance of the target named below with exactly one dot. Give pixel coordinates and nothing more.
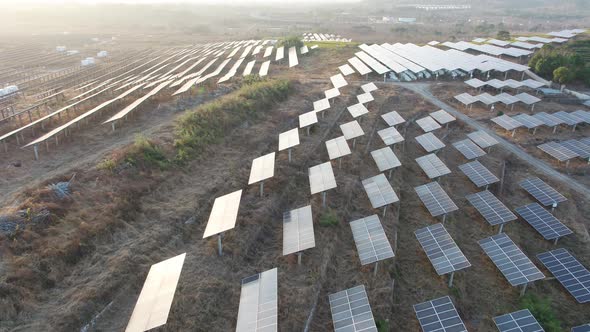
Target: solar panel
(432, 166)
(581, 328)
(435, 199)
(288, 139)
(510, 260)
(469, 149)
(321, 105)
(506, 122)
(557, 151)
(542, 191)
(430, 142)
(307, 119)
(379, 191)
(528, 121)
(293, 61)
(224, 213)
(357, 110)
(365, 97)
(370, 239)
(518, 321)
(262, 168)
(583, 150)
(298, 230)
(249, 67)
(393, 118)
(351, 311)
(369, 87)
(153, 305)
(374, 64)
(441, 250)
(338, 81)
(385, 159)
(493, 211)
(442, 117)
(360, 67)
(568, 118)
(258, 310)
(267, 52)
(483, 139)
(331, 93)
(390, 136)
(351, 130)
(548, 119)
(337, 147)
(280, 54)
(321, 178)
(478, 173)
(439, 315)
(428, 124)
(543, 221)
(569, 272)
(346, 70)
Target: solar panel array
(298, 230)
(506, 122)
(577, 146)
(393, 118)
(258, 310)
(581, 328)
(510, 260)
(428, 124)
(557, 151)
(478, 173)
(442, 117)
(351, 311)
(432, 166)
(430, 142)
(441, 250)
(543, 221)
(337, 147)
(351, 130)
(379, 191)
(469, 149)
(493, 211)
(542, 191)
(483, 139)
(357, 110)
(439, 315)
(385, 159)
(518, 321)
(370, 239)
(569, 272)
(435, 199)
(321, 178)
(390, 136)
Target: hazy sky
(90, 2)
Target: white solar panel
(351, 311)
(351, 130)
(153, 305)
(506, 122)
(430, 142)
(307, 119)
(280, 54)
(369, 87)
(321, 178)
(365, 97)
(223, 214)
(298, 230)
(528, 121)
(357, 110)
(360, 67)
(493, 211)
(393, 118)
(331, 93)
(432, 166)
(435, 199)
(262, 168)
(428, 124)
(548, 119)
(288, 139)
(264, 68)
(370, 239)
(293, 61)
(385, 159)
(338, 81)
(379, 191)
(248, 69)
(346, 70)
(390, 136)
(483, 139)
(557, 151)
(337, 147)
(442, 117)
(258, 310)
(469, 149)
(441, 249)
(510, 260)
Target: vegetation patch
(541, 309)
(291, 41)
(564, 64)
(329, 218)
(210, 122)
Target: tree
(292, 41)
(503, 35)
(562, 75)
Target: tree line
(563, 64)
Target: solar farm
(251, 185)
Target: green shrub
(147, 154)
(291, 41)
(562, 75)
(208, 123)
(328, 218)
(382, 325)
(503, 35)
(107, 165)
(541, 309)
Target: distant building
(407, 20)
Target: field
(143, 192)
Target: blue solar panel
(518, 321)
(569, 272)
(439, 315)
(581, 328)
(543, 221)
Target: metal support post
(451, 279)
(501, 228)
(289, 155)
(323, 199)
(375, 269)
(219, 246)
(299, 254)
(36, 152)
